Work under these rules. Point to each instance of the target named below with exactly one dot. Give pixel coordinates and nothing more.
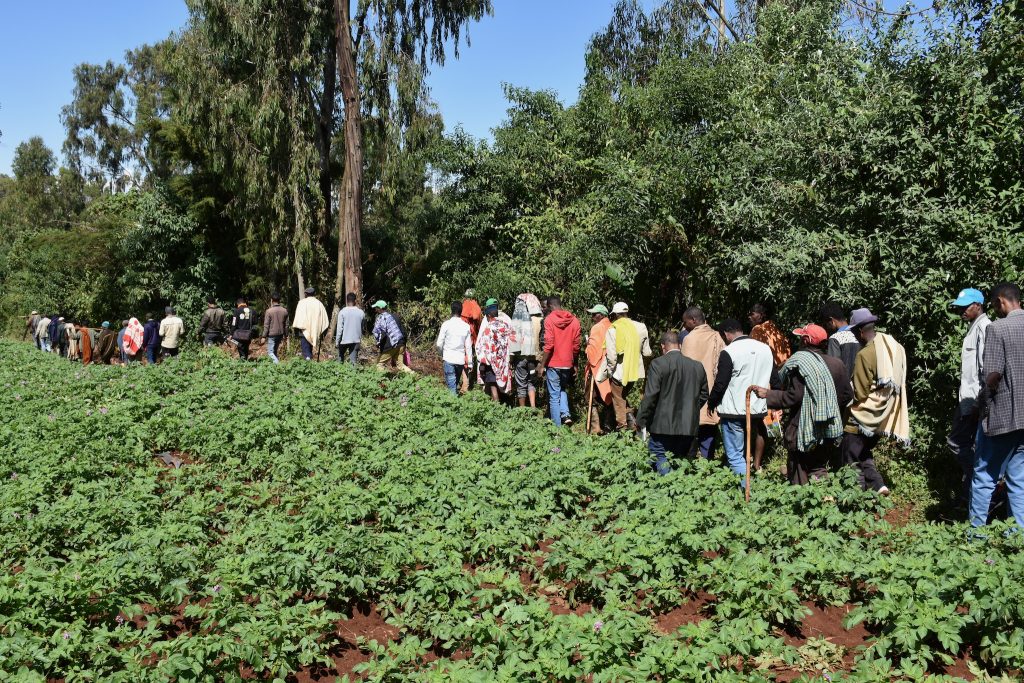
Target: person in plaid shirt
(1000, 445)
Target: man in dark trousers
(275, 326)
(842, 342)
(241, 327)
(676, 390)
(151, 339)
(211, 325)
(816, 390)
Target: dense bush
(877, 165)
(128, 254)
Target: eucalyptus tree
(384, 51)
(258, 105)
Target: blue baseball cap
(966, 297)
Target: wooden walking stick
(750, 390)
(590, 401)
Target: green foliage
(877, 165)
(130, 254)
(311, 489)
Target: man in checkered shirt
(1002, 452)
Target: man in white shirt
(970, 304)
(455, 346)
(171, 331)
(745, 362)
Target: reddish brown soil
(900, 516)
(689, 612)
(560, 607)
(827, 622)
(365, 622)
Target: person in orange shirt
(472, 315)
(764, 330)
(597, 367)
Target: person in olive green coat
(676, 390)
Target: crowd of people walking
(831, 401)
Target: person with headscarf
(312, 321)
(132, 341)
(764, 330)
(526, 325)
(106, 344)
(472, 314)
(492, 351)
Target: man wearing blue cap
(970, 304)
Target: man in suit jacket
(676, 390)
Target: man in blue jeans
(455, 346)
(562, 338)
(745, 362)
(999, 450)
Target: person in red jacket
(561, 344)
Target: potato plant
(496, 547)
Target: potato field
(210, 520)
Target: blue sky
(533, 43)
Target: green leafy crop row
(496, 547)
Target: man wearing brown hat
(815, 391)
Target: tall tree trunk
(325, 134)
(350, 215)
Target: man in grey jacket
(276, 323)
(348, 337)
(970, 304)
(676, 390)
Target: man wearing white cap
(970, 305)
(627, 343)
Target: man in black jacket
(676, 389)
(241, 327)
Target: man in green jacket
(676, 390)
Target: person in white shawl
(880, 399)
(311, 318)
(526, 321)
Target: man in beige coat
(704, 345)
